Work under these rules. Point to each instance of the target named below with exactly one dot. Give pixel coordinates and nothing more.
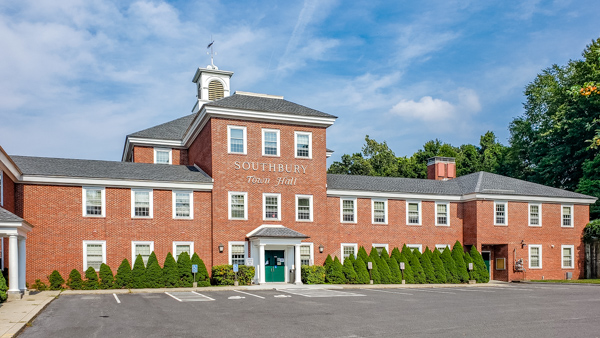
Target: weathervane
(212, 53)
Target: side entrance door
(486, 255)
(274, 266)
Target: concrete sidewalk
(15, 314)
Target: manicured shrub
(170, 272)
(483, 275)
(336, 274)
(417, 269)
(123, 277)
(154, 275)
(395, 275)
(55, 280)
(362, 253)
(3, 289)
(107, 280)
(224, 275)
(438, 267)
(409, 276)
(407, 252)
(151, 259)
(361, 271)
(313, 274)
(428, 269)
(472, 273)
(458, 254)
(39, 285)
(138, 273)
(450, 265)
(385, 256)
(74, 281)
(328, 263)
(396, 254)
(384, 272)
(91, 279)
(202, 277)
(374, 273)
(349, 272)
(184, 264)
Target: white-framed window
(181, 247)
(380, 246)
(238, 205)
(237, 141)
(143, 248)
(271, 207)
(442, 213)
(349, 249)
(303, 144)
(535, 215)
(304, 208)
(163, 155)
(379, 211)
(566, 256)
(270, 142)
(237, 253)
(94, 202)
(567, 216)
(535, 256)
(500, 213)
(413, 212)
(442, 247)
(415, 247)
(1, 191)
(306, 254)
(142, 203)
(348, 210)
(94, 254)
(183, 204)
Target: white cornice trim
(262, 226)
(8, 166)
(76, 181)
(524, 198)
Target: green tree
(362, 253)
(107, 279)
(374, 273)
(328, 266)
(154, 275)
(458, 254)
(350, 275)
(74, 281)
(202, 277)
(384, 272)
(184, 264)
(337, 273)
(438, 267)
(408, 253)
(483, 275)
(56, 281)
(417, 269)
(450, 265)
(91, 279)
(170, 272)
(395, 274)
(354, 164)
(409, 276)
(430, 277)
(385, 256)
(138, 273)
(362, 275)
(395, 254)
(151, 259)
(123, 277)
(491, 153)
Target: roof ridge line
(479, 179)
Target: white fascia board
(525, 198)
(20, 228)
(391, 195)
(150, 142)
(9, 167)
(74, 181)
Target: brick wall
(201, 150)
(146, 155)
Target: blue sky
(77, 76)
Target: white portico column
(261, 258)
(297, 278)
(13, 265)
(22, 264)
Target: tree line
(554, 142)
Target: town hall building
(243, 180)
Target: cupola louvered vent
(215, 90)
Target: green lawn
(583, 281)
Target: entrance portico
(16, 229)
(277, 248)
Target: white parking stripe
(168, 294)
(431, 291)
(399, 293)
(474, 290)
(199, 294)
(249, 294)
(117, 298)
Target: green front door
(274, 266)
(486, 259)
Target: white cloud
(438, 110)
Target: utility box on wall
(569, 275)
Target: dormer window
(162, 156)
(215, 90)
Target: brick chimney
(441, 168)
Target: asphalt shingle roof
(47, 166)
(480, 182)
(278, 232)
(173, 130)
(7, 216)
(265, 104)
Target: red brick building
(243, 180)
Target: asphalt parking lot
(524, 310)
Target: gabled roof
(277, 232)
(61, 167)
(173, 130)
(7, 216)
(265, 104)
(475, 183)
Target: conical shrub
(418, 273)
(472, 273)
(361, 271)
(408, 253)
(385, 256)
(170, 272)
(123, 277)
(450, 266)
(384, 272)
(336, 275)
(362, 253)
(349, 272)
(154, 275)
(438, 267)
(374, 271)
(151, 259)
(55, 280)
(184, 264)
(396, 254)
(482, 271)
(91, 279)
(458, 254)
(107, 279)
(74, 282)
(202, 277)
(428, 269)
(395, 275)
(408, 274)
(138, 274)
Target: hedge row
(3, 288)
(172, 274)
(449, 266)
